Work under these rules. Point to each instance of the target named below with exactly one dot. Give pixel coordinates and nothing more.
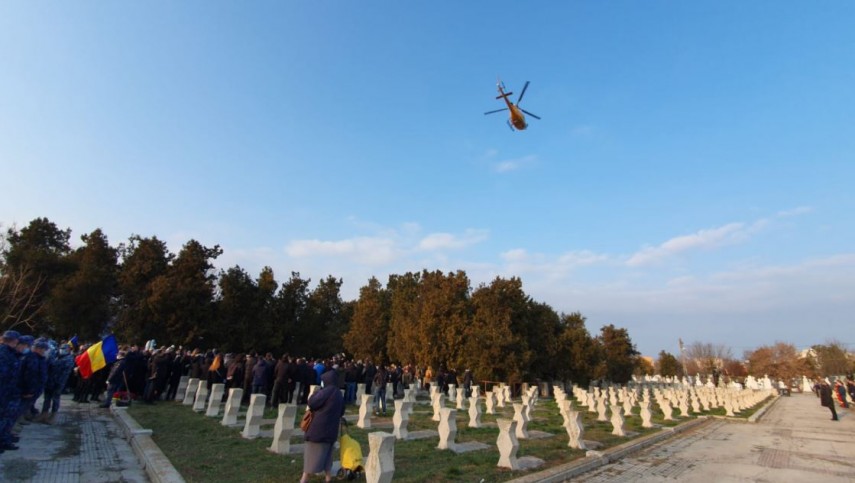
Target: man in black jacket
(826, 399)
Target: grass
(204, 451)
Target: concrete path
(795, 441)
(84, 445)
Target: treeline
(141, 291)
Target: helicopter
(517, 119)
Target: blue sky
(692, 175)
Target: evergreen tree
(668, 365)
(619, 357)
(144, 261)
(83, 302)
(578, 352)
(183, 296)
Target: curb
(584, 465)
(754, 418)
(157, 466)
(762, 411)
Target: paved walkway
(795, 441)
(83, 445)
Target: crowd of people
(827, 391)
(155, 374)
(30, 368)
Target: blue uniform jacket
(10, 373)
(59, 368)
(33, 374)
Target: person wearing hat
(33, 374)
(60, 366)
(10, 394)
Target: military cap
(11, 335)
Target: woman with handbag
(327, 407)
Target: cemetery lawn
(204, 451)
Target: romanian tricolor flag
(98, 356)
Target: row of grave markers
(379, 466)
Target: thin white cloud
(366, 250)
(583, 257)
(514, 164)
(386, 247)
(582, 131)
(448, 241)
(709, 238)
(799, 210)
(515, 255)
(519, 261)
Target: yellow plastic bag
(351, 453)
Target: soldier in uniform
(10, 391)
(59, 368)
(33, 373)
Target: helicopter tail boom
(504, 95)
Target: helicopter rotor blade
(523, 92)
(497, 110)
(530, 114)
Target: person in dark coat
(379, 385)
(234, 375)
(10, 390)
(160, 365)
(259, 377)
(33, 374)
(327, 405)
(368, 377)
(350, 375)
(280, 380)
(826, 399)
(135, 371)
(307, 378)
(467, 383)
(117, 378)
(251, 360)
(178, 368)
(59, 368)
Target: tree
(34, 261)
(19, 302)
(270, 329)
(325, 318)
(645, 367)
(668, 366)
(183, 296)
(444, 317)
(704, 358)
(494, 347)
(404, 314)
(83, 302)
(542, 335)
(237, 312)
(833, 359)
(289, 313)
(780, 361)
(619, 357)
(368, 335)
(144, 260)
(578, 352)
